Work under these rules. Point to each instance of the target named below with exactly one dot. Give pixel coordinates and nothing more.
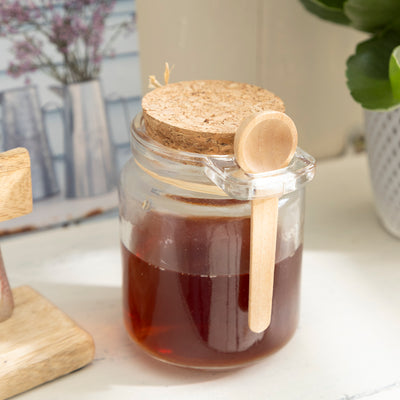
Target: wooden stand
(38, 344)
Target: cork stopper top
(203, 116)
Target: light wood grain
(264, 142)
(38, 344)
(6, 298)
(15, 184)
(15, 201)
(264, 222)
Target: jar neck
(164, 163)
(219, 173)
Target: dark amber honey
(186, 292)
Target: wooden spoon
(264, 142)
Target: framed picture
(69, 87)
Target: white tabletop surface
(347, 346)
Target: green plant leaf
(373, 15)
(394, 73)
(368, 72)
(331, 10)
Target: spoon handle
(264, 221)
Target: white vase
(382, 129)
(89, 151)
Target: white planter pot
(382, 129)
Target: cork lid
(203, 116)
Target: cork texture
(203, 116)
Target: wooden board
(39, 343)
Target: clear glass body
(185, 252)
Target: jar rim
(223, 171)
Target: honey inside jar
(186, 290)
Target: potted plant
(373, 78)
(66, 40)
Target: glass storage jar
(185, 237)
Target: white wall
(274, 44)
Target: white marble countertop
(347, 346)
